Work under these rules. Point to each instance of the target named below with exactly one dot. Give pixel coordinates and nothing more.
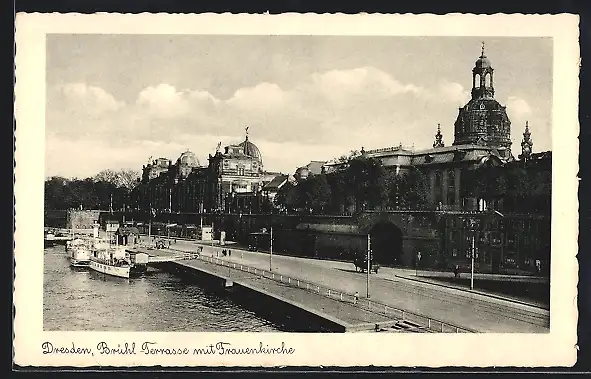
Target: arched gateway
(386, 242)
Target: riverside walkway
(336, 309)
(472, 311)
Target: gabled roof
(276, 183)
(314, 167)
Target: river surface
(83, 300)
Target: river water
(83, 300)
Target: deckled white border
(556, 348)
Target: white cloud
(322, 116)
(518, 106)
(454, 92)
(88, 99)
(261, 97)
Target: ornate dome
(483, 121)
(188, 158)
(250, 149)
(482, 62)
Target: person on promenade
(456, 271)
(356, 297)
(229, 252)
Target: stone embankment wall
(82, 219)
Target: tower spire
(246, 130)
(438, 138)
(527, 144)
(482, 77)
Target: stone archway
(386, 242)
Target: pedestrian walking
(356, 298)
(229, 252)
(456, 271)
(241, 254)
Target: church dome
(188, 158)
(483, 121)
(482, 62)
(250, 149)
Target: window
(477, 81)
(487, 80)
(438, 179)
(438, 192)
(451, 187)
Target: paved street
(458, 307)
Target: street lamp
(271, 250)
(368, 262)
(475, 224)
(473, 227)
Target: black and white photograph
(254, 190)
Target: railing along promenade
(431, 324)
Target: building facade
(232, 181)
(482, 137)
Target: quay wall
(292, 316)
(202, 276)
(296, 317)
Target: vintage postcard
(296, 190)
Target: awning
(190, 227)
(170, 225)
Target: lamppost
(271, 250)
(368, 263)
(476, 222)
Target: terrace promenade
(390, 288)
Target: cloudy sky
(115, 100)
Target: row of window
(451, 186)
(487, 80)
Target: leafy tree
(102, 191)
(363, 175)
(125, 178)
(522, 189)
(287, 197)
(414, 189)
(341, 195)
(315, 192)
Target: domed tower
(251, 150)
(186, 162)
(483, 121)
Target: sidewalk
(423, 277)
(403, 270)
(501, 296)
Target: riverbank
(276, 296)
(470, 310)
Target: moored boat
(110, 261)
(49, 240)
(80, 256)
(74, 243)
